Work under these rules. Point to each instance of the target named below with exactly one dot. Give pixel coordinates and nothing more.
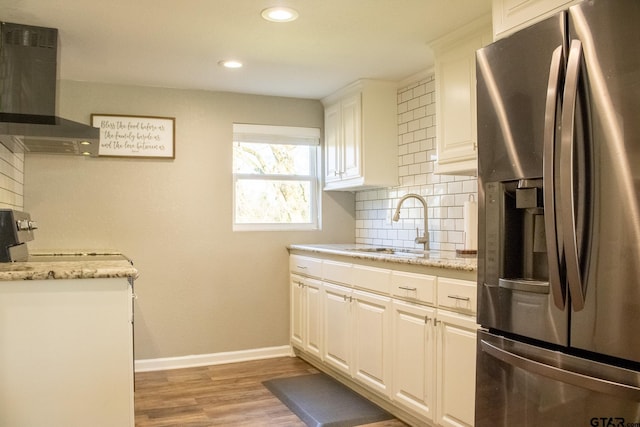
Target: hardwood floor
(220, 395)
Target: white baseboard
(191, 361)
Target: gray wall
(202, 288)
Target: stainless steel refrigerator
(559, 221)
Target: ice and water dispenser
(516, 261)
(515, 221)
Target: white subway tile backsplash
(454, 212)
(406, 95)
(447, 200)
(470, 186)
(420, 179)
(419, 90)
(407, 138)
(413, 103)
(407, 117)
(445, 195)
(454, 187)
(11, 179)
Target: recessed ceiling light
(280, 14)
(230, 63)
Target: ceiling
(178, 44)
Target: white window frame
(288, 135)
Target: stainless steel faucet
(424, 240)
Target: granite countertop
(69, 265)
(439, 259)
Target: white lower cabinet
(296, 311)
(455, 368)
(306, 326)
(410, 338)
(336, 303)
(414, 358)
(357, 335)
(434, 363)
(371, 341)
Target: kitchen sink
(413, 253)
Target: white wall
(445, 195)
(202, 288)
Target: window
(275, 178)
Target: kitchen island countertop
(438, 259)
(69, 265)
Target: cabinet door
(455, 69)
(332, 143)
(352, 137)
(456, 368)
(296, 310)
(313, 325)
(456, 130)
(338, 333)
(371, 320)
(414, 358)
(510, 16)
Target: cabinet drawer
(304, 265)
(339, 272)
(372, 278)
(420, 287)
(459, 295)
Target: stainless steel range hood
(28, 67)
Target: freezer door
(604, 133)
(513, 78)
(518, 384)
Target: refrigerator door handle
(554, 246)
(566, 176)
(598, 385)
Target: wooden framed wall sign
(135, 136)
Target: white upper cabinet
(510, 16)
(455, 70)
(361, 136)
